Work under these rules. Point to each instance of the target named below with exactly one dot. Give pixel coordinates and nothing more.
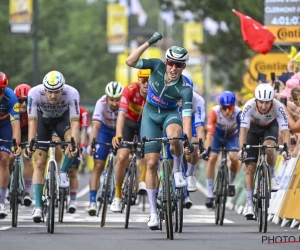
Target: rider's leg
(210, 173)
(141, 174)
(40, 157)
(4, 175)
(94, 178)
(152, 180)
(121, 165)
(175, 130)
(192, 160)
(249, 185)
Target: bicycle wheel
(217, 197)
(266, 197)
(130, 190)
(166, 168)
(258, 204)
(62, 195)
(106, 191)
(144, 202)
(223, 197)
(15, 195)
(176, 219)
(52, 194)
(180, 203)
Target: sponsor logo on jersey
(16, 107)
(244, 112)
(282, 111)
(30, 104)
(76, 107)
(158, 100)
(124, 100)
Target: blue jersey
(9, 107)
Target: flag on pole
(259, 38)
(134, 7)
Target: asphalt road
(80, 231)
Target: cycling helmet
(54, 81)
(114, 89)
(178, 54)
(227, 98)
(144, 73)
(22, 90)
(3, 80)
(264, 92)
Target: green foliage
(72, 40)
(227, 48)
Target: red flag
(255, 34)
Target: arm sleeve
(199, 108)
(32, 106)
(246, 114)
(211, 122)
(125, 100)
(97, 115)
(187, 101)
(281, 117)
(84, 117)
(14, 109)
(74, 104)
(148, 63)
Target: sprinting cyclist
(128, 125)
(104, 129)
(262, 117)
(22, 93)
(52, 106)
(223, 127)
(9, 128)
(166, 87)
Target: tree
(227, 47)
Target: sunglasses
(177, 64)
(143, 80)
(21, 100)
(230, 108)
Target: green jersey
(166, 96)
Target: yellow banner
(272, 62)
(192, 37)
(20, 15)
(117, 28)
(291, 203)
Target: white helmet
(114, 89)
(178, 54)
(54, 81)
(264, 92)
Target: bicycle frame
(21, 186)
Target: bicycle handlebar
(54, 143)
(94, 142)
(245, 146)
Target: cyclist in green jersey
(166, 87)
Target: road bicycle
(107, 186)
(130, 186)
(221, 185)
(167, 201)
(52, 192)
(262, 194)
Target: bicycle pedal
(71, 210)
(37, 220)
(2, 217)
(250, 217)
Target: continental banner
(272, 62)
(20, 16)
(290, 208)
(117, 28)
(192, 37)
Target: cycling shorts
(46, 126)
(105, 135)
(231, 143)
(256, 132)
